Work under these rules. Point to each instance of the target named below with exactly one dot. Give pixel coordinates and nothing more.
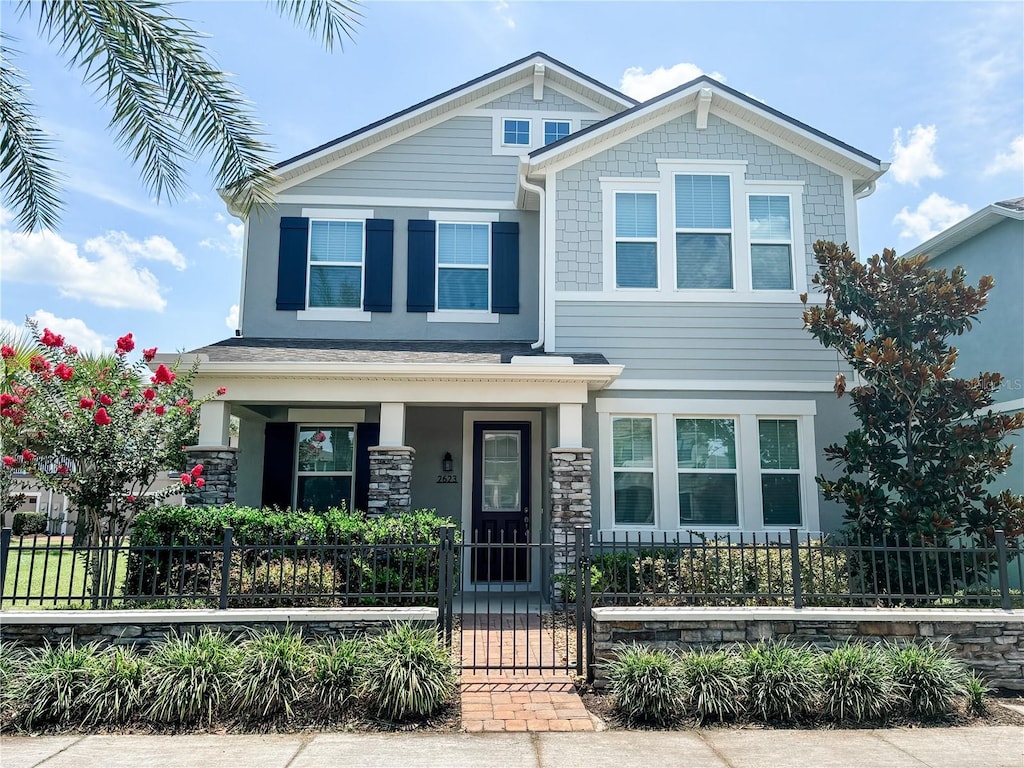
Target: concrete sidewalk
(991, 747)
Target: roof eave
(975, 224)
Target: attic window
(516, 133)
(555, 130)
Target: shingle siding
(553, 101)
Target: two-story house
(531, 302)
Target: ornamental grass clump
(190, 678)
(116, 689)
(271, 675)
(647, 685)
(715, 684)
(335, 672)
(929, 679)
(408, 673)
(52, 686)
(976, 692)
(782, 681)
(856, 683)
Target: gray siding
(260, 317)
(553, 101)
(578, 226)
(451, 160)
(711, 341)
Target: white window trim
(536, 120)
(746, 414)
(794, 190)
(609, 476)
(334, 313)
(461, 315)
(530, 135)
(295, 464)
(609, 188)
(731, 232)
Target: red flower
(125, 393)
(86, 403)
(27, 455)
(10, 461)
(106, 399)
(197, 470)
(163, 375)
(149, 354)
(71, 349)
(130, 498)
(222, 390)
(51, 339)
(149, 394)
(181, 402)
(159, 410)
(186, 479)
(200, 482)
(100, 417)
(64, 372)
(188, 410)
(125, 344)
(138, 408)
(7, 352)
(63, 469)
(39, 364)
(319, 437)
(6, 400)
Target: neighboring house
(991, 242)
(530, 302)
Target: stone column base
(390, 479)
(220, 471)
(570, 501)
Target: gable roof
(973, 225)
(560, 74)
(731, 104)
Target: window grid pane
(336, 241)
(778, 444)
(706, 443)
(636, 214)
(708, 499)
(517, 132)
(463, 288)
(771, 267)
(636, 265)
(780, 499)
(331, 286)
(326, 449)
(634, 498)
(555, 130)
(769, 218)
(703, 201)
(463, 244)
(703, 261)
(633, 442)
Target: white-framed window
(771, 242)
(515, 132)
(632, 445)
(707, 471)
(706, 465)
(703, 231)
(555, 130)
(463, 266)
(779, 447)
(337, 253)
(636, 239)
(325, 466)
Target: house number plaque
(447, 479)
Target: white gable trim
(964, 230)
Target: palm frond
(330, 20)
(27, 177)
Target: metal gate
(517, 606)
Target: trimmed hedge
(28, 523)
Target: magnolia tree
(101, 432)
(927, 445)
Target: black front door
(501, 501)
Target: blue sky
(937, 88)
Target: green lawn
(38, 578)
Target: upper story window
(555, 130)
(463, 266)
(703, 211)
(515, 132)
(636, 240)
(771, 242)
(336, 260)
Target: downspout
(539, 191)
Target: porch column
(218, 457)
(569, 465)
(390, 464)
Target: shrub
(115, 691)
(271, 675)
(647, 684)
(929, 679)
(715, 683)
(287, 582)
(190, 678)
(335, 672)
(856, 683)
(782, 681)
(53, 684)
(408, 673)
(28, 523)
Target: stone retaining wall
(35, 628)
(990, 641)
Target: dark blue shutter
(367, 436)
(505, 267)
(380, 250)
(420, 297)
(291, 263)
(278, 464)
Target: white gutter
(541, 272)
(866, 192)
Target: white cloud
(230, 242)
(934, 214)
(112, 279)
(502, 10)
(1008, 161)
(74, 331)
(915, 160)
(231, 321)
(643, 85)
